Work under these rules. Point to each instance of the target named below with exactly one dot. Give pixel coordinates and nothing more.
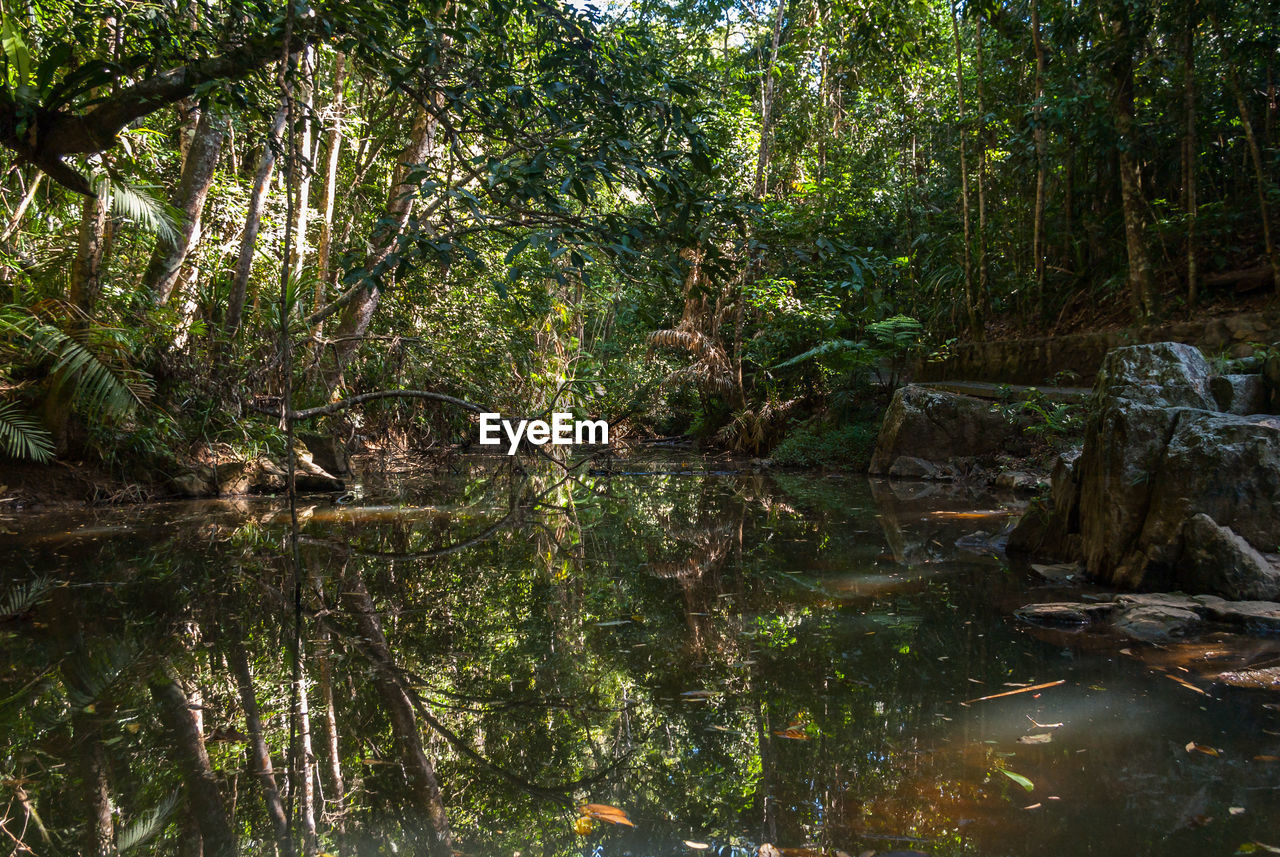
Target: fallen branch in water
(351, 401)
(1019, 690)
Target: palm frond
(97, 386)
(140, 204)
(87, 676)
(832, 346)
(22, 436)
(147, 825)
(21, 598)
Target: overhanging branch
(351, 401)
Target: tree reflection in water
(731, 660)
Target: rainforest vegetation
(705, 217)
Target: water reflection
(730, 660)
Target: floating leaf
(1193, 747)
(1019, 779)
(1266, 758)
(696, 846)
(1042, 738)
(793, 733)
(604, 812)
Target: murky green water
(728, 659)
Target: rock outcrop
(1157, 617)
(926, 431)
(1168, 491)
(232, 476)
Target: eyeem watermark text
(561, 431)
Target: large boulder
(935, 426)
(1168, 491)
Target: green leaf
(1019, 779)
(22, 436)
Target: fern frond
(147, 825)
(140, 204)
(88, 676)
(22, 436)
(98, 387)
(20, 599)
(833, 346)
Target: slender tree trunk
(192, 760)
(15, 220)
(357, 315)
(99, 835)
(252, 224)
(333, 757)
(1141, 291)
(1042, 165)
(766, 107)
(424, 789)
(305, 165)
(260, 766)
(1189, 152)
(86, 272)
(304, 761)
(1259, 173)
(197, 177)
(972, 312)
(325, 245)
(984, 268)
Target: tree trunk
(357, 315)
(304, 164)
(325, 245)
(1141, 293)
(260, 766)
(424, 789)
(333, 758)
(984, 268)
(766, 107)
(252, 224)
(303, 785)
(1189, 154)
(99, 835)
(192, 760)
(197, 177)
(1259, 173)
(86, 272)
(16, 219)
(1042, 165)
(972, 312)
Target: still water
(722, 660)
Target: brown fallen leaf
(1266, 758)
(1042, 738)
(1193, 747)
(604, 812)
(793, 733)
(696, 846)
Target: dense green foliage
(685, 216)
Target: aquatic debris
(1193, 747)
(1188, 685)
(1042, 738)
(1019, 690)
(604, 812)
(1039, 725)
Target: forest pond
(729, 659)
